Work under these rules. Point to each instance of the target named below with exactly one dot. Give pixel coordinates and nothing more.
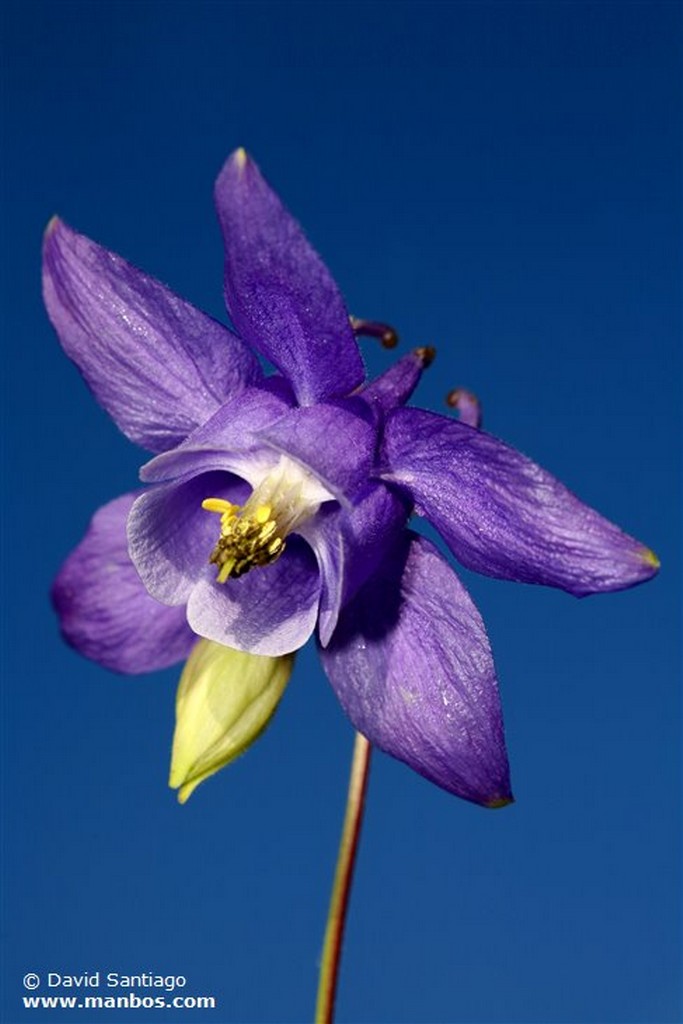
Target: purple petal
(171, 537)
(279, 293)
(104, 610)
(503, 515)
(227, 441)
(271, 610)
(397, 384)
(336, 441)
(350, 544)
(411, 664)
(158, 366)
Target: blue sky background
(499, 180)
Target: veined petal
(158, 366)
(411, 664)
(270, 610)
(225, 700)
(350, 544)
(229, 440)
(336, 441)
(170, 535)
(104, 610)
(279, 293)
(503, 515)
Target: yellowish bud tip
(501, 801)
(241, 158)
(52, 226)
(650, 558)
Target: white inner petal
(292, 492)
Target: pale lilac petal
(503, 515)
(336, 441)
(104, 610)
(228, 441)
(411, 664)
(350, 544)
(159, 366)
(397, 384)
(271, 610)
(280, 296)
(171, 537)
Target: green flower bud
(225, 700)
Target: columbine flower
(278, 505)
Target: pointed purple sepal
(279, 293)
(158, 366)
(501, 514)
(411, 664)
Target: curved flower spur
(278, 506)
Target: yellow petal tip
(501, 801)
(52, 226)
(241, 158)
(650, 558)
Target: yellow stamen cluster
(253, 535)
(249, 538)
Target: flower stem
(341, 889)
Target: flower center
(253, 535)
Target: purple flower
(277, 505)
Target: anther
(248, 539)
(385, 334)
(467, 405)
